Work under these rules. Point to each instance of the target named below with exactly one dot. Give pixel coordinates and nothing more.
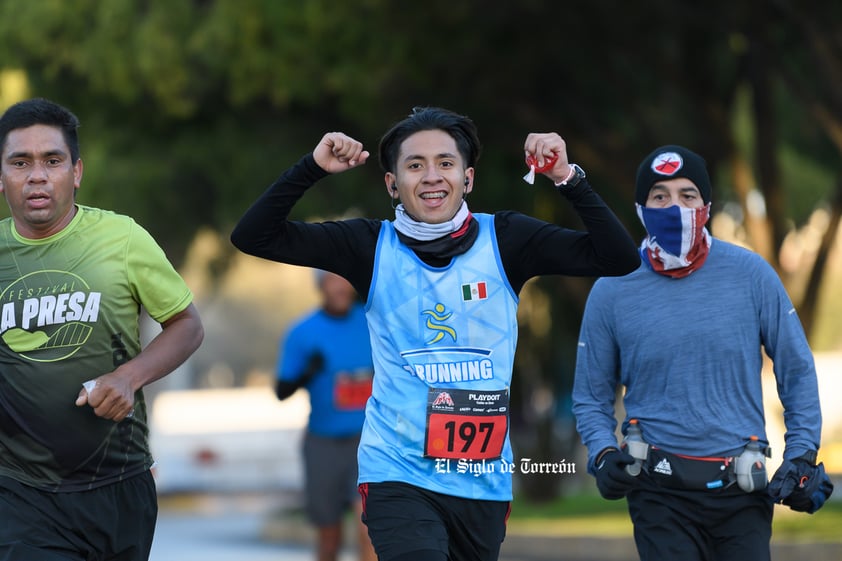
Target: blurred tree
(191, 107)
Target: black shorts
(330, 477)
(111, 523)
(694, 525)
(406, 522)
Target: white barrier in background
(238, 439)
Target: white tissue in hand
(530, 177)
(89, 387)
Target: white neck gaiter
(422, 231)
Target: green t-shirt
(69, 311)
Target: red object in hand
(549, 162)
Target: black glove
(612, 480)
(315, 364)
(801, 485)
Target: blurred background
(191, 108)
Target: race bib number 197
(466, 424)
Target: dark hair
(461, 128)
(39, 111)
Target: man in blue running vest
(440, 286)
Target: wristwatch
(577, 174)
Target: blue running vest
(443, 343)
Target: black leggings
(700, 525)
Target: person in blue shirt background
(328, 352)
(684, 335)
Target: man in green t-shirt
(75, 479)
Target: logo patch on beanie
(667, 163)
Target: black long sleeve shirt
(528, 247)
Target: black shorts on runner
(111, 523)
(408, 523)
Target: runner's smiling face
(430, 177)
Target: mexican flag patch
(474, 291)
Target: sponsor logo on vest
(435, 318)
(466, 371)
(484, 397)
(443, 400)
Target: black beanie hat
(669, 162)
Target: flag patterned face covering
(677, 242)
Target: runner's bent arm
(597, 375)
(113, 396)
(343, 247)
(530, 247)
(785, 342)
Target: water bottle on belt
(750, 467)
(636, 447)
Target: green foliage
(571, 506)
(191, 108)
(270, 77)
